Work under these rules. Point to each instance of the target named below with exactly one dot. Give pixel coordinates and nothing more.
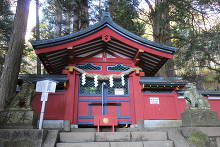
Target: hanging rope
(105, 77)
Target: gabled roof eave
(105, 22)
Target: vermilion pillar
(69, 96)
(138, 98)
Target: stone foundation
(21, 137)
(200, 117)
(17, 119)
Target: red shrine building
(105, 71)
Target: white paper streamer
(123, 80)
(83, 78)
(96, 80)
(111, 81)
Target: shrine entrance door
(102, 100)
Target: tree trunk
(68, 23)
(80, 15)
(76, 14)
(58, 18)
(84, 16)
(37, 35)
(13, 58)
(161, 32)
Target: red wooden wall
(215, 105)
(65, 105)
(55, 106)
(169, 108)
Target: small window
(90, 66)
(118, 67)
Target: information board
(46, 86)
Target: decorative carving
(194, 98)
(106, 37)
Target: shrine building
(105, 71)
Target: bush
(198, 138)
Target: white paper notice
(119, 91)
(46, 86)
(154, 100)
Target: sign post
(45, 87)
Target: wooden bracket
(137, 71)
(70, 48)
(70, 68)
(64, 84)
(137, 56)
(71, 54)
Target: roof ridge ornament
(106, 13)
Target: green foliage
(197, 43)
(6, 19)
(198, 138)
(47, 24)
(196, 38)
(124, 13)
(29, 59)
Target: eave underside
(56, 61)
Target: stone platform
(17, 119)
(21, 137)
(114, 139)
(200, 118)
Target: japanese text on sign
(46, 86)
(154, 100)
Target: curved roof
(54, 52)
(106, 21)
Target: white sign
(44, 96)
(119, 91)
(46, 86)
(154, 100)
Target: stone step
(119, 144)
(158, 144)
(148, 136)
(83, 129)
(126, 144)
(68, 137)
(112, 136)
(51, 138)
(84, 144)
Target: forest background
(192, 26)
